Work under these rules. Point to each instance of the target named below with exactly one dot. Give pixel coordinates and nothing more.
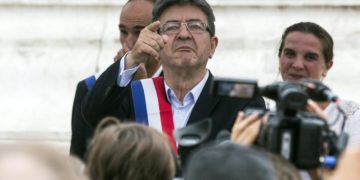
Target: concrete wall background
(47, 46)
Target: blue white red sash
(151, 106)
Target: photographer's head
(306, 52)
(229, 161)
(129, 151)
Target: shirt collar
(195, 91)
(158, 72)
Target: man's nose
(131, 40)
(184, 31)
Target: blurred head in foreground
(233, 162)
(129, 152)
(37, 162)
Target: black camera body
(299, 136)
(298, 139)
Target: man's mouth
(183, 48)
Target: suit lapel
(205, 104)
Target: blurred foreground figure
(135, 15)
(129, 151)
(34, 162)
(349, 165)
(233, 162)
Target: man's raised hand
(147, 47)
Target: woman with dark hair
(306, 52)
(129, 151)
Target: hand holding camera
(297, 130)
(246, 128)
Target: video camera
(299, 136)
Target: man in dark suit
(135, 15)
(182, 37)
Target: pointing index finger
(154, 26)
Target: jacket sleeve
(79, 129)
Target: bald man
(135, 15)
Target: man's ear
(213, 43)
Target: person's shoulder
(351, 108)
(108, 77)
(90, 81)
(81, 86)
(114, 67)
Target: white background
(47, 46)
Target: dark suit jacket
(222, 111)
(107, 99)
(80, 130)
(104, 87)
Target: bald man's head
(135, 15)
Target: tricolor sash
(151, 106)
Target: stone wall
(47, 46)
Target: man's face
(135, 15)
(302, 57)
(185, 48)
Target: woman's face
(302, 58)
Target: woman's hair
(316, 30)
(129, 151)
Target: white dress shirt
(125, 76)
(182, 111)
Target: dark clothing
(107, 99)
(80, 130)
(222, 111)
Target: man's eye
(171, 28)
(137, 33)
(195, 27)
(123, 32)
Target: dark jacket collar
(205, 104)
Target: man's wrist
(130, 61)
